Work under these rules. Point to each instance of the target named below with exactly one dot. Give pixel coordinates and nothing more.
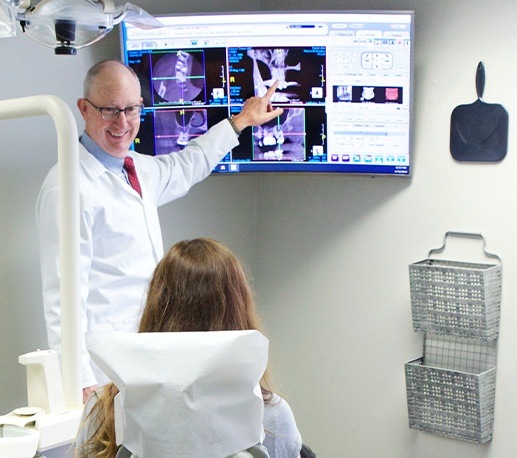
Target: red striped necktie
(129, 166)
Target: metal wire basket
(456, 298)
(451, 389)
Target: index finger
(269, 93)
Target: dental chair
(186, 395)
(307, 452)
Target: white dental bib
(186, 395)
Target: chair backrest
(306, 452)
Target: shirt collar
(113, 164)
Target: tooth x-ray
(179, 76)
(281, 139)
(175, 128)
(299, 71)
(276, 61)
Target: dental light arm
(68, 169)
(67, 25)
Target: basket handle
(469, 235)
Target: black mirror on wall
(479, 131)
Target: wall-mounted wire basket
(451, 389)
(456, 298)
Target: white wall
(329, 254)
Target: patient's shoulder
(278, 407)
(282, 436)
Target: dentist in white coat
(121, 239)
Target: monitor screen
(345, 84)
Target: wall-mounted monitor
(345, 86)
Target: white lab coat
(121, 239)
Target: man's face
(114, 87)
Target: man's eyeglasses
(112, 113)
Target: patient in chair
(198, 286)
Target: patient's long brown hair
(199, 285)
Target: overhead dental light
(68, 25)
(7, 20)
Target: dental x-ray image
(275, 59)
(179, 77)
(282, 139)
(174, 128)
(300, 72)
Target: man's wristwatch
(234, 127)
